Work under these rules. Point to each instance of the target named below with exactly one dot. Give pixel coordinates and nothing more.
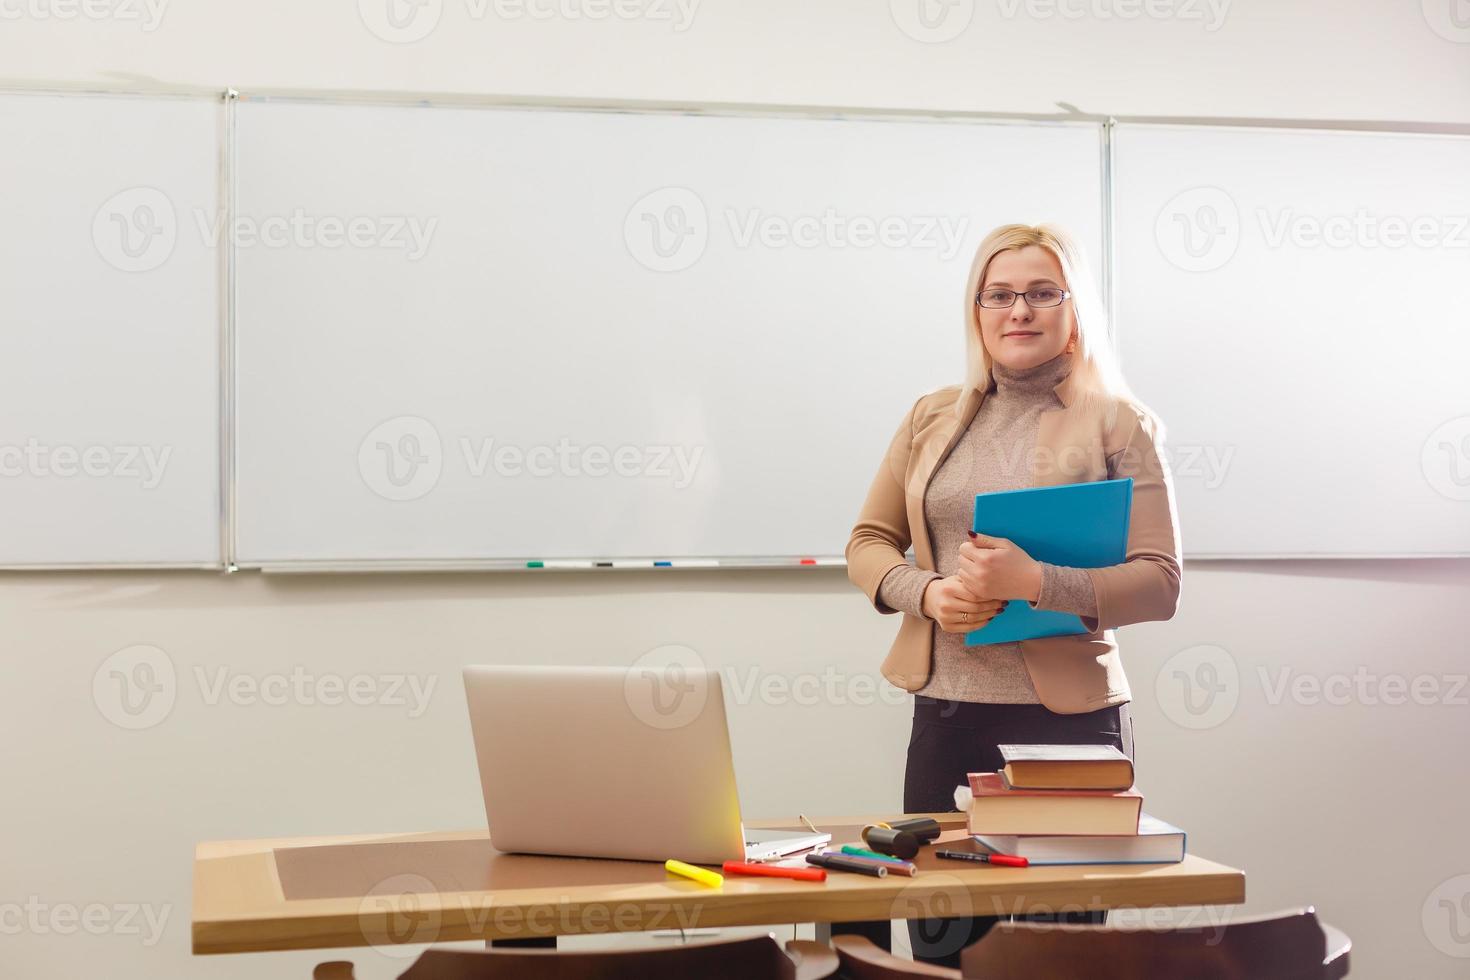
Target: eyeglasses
(1004, 299)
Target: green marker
(535, 564)
(863, 852)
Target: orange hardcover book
(999, 809)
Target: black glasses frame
(1066, 295)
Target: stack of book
(1068, 804)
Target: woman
(1043, 404)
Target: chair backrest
(757, 958)
(861, 959)
(1283, 946)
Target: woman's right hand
(950, 603)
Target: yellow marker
(698, 874)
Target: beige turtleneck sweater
(994, 453)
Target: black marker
(1008, 860)
(839, 863)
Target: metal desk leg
(538, 942)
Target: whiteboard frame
(630, 107)
(229, 97)
(227, 457)
(1108, 273)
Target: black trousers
(950, 739)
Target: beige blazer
(1071, 674)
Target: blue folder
(1084, 525)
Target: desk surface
(383, 890)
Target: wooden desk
(367, 890)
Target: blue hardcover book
(1084, 525)
(1156, 842)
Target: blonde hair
(1097, 380)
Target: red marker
(1008, 860)
(808, 561)
(770, 871)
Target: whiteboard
(1296, 306)
(563, 334)
(109, 378)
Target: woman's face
(1022, 336)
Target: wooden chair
(1290, 945)
(859, 958)
(757, 958)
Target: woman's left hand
(997, 568)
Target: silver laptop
(612, 762)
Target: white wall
(1293, 788)
(1358, 59)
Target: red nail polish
(970, 533)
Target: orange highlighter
(770, 871)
